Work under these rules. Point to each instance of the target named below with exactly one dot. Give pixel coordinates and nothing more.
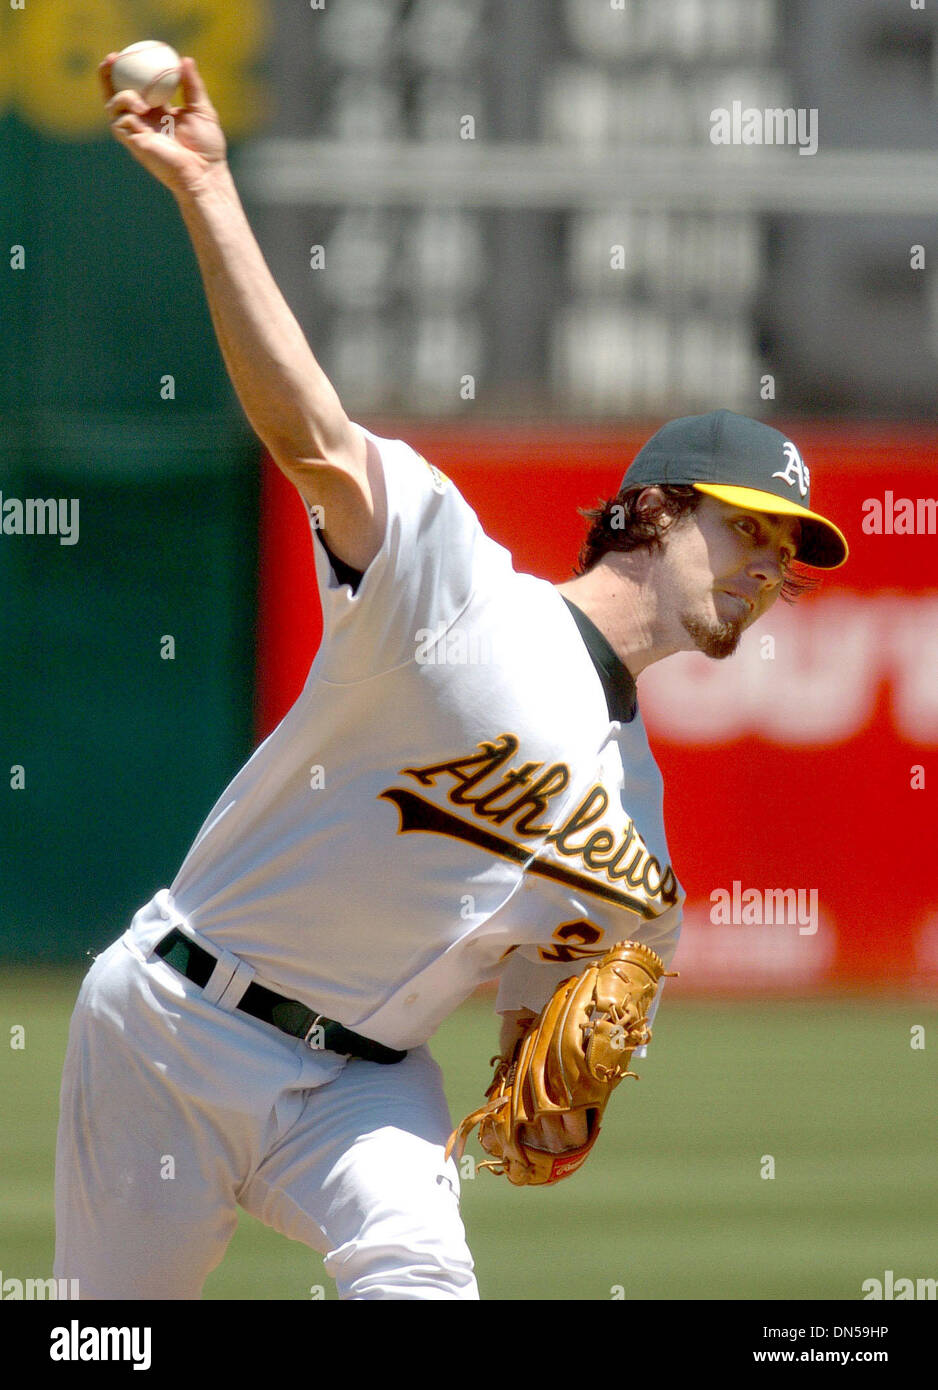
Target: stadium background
(524, 296)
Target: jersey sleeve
(433, 556)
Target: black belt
(289, 1015)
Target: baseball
(150, 68)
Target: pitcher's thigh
(362, 1178)
(144, 1193)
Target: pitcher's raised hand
(180, 160)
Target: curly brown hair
(617, 524)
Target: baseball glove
(572, 1056)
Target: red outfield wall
(806, 762)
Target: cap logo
(795, 471)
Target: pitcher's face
(723, 567)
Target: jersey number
(574, 940)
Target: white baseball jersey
(448, 801)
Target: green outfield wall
(126, 645)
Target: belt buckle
(309, 1032)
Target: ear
(651, 502)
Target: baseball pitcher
(419, 823)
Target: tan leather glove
(571, 1057)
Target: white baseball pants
(175, 1111)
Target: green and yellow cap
(745, 463)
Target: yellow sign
(50, 51)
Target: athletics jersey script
(481, 781)
(449, 801)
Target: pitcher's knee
(394, 1267)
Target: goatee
(716, 639)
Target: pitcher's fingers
(549, 1135)
(130, 124)
(193, 87)
(104, 75)
(127, 101)
(575, 1126)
